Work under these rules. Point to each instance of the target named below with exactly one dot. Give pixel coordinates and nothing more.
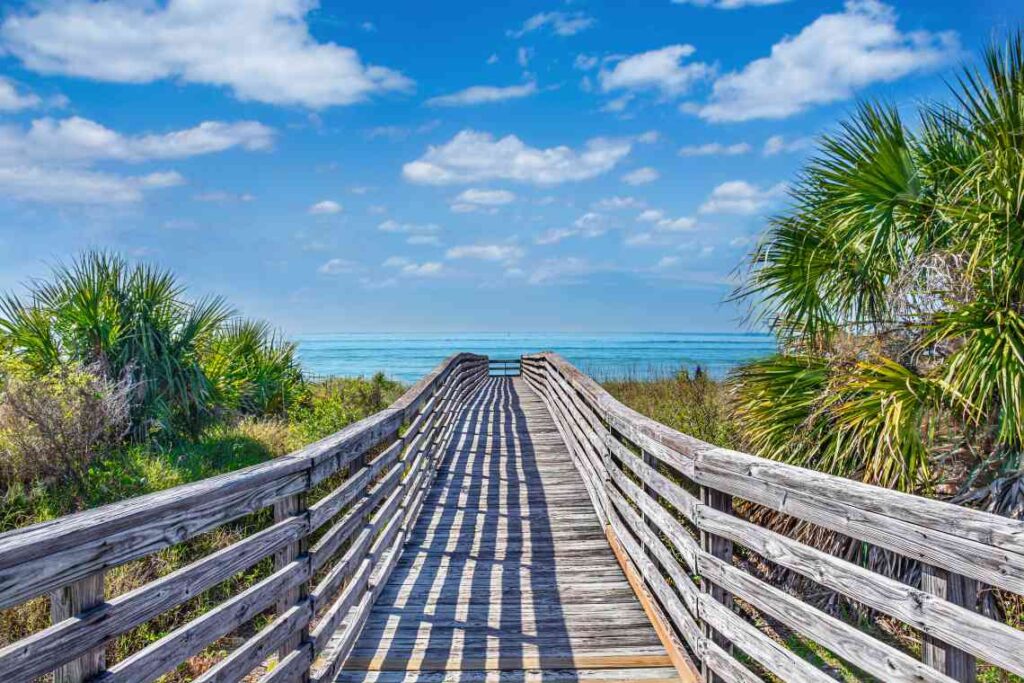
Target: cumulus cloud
(261, 51)
(392, 225)
(641, 176)
(79, 139)
(35, 161)
(13, 100)
(828, 61)
(741, 197)
(559, 270)
(590, 224)
(714, 149)
(337, 266)
(474, 199)
(777, 144)
(472, 156)
(559, 23)
(486, 252)
(483, 94)
(660, 70)
(618, 203)
(324, 208)
(728, 4)
(410, 268)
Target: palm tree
(895, 282)
(189, 359)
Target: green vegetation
(895, 282)
(113, 384)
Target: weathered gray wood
(257, 649)
(65, 604)
(33, 656)
(499, 538)
(959, 590)
(286, 508)
(158, 658)
(881, 660)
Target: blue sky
(442, 166)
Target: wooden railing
(667, 500)
(503, 367)
(341, 510)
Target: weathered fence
(341, 510)
(667, 500)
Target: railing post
(959, 590)
(292, 506)
(65, 603)
(722, 549)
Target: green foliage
(188, 360)
(895, 281)
(694, 405)
(338, 402)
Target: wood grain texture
(507, 570)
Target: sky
(443, 166)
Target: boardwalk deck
(507, 574)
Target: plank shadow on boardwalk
(507, 568)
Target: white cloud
(667, 262)
(618, 203)
(428, 240)
(79, 139)
(828, 61)
(682, 224)
(650, 216)
(741, 197)
(486, 252)
(262, 51)
(585, 62)
(392, 225)
(223, 196)
(560, 23)
(641, 176)
(483, 94)
(777, 144)
(728, 4)
(160, 179)
(326, 207)
(524, 55)
(590, 224)
(12, 100)
(714, 149)
(659, 70)
(473, 199)
(558, 270)
(36, 161)
(555, 235)
(410, 268)
(618, 104)
(336, 266)
(472, 156)
(493, 59)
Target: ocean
(407, 357)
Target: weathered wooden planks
(507, 569)
(646, 465)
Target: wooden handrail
(667, 498)
(366, 516)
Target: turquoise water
(408, 356)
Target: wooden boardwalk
(507, 574)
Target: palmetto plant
(134, 323)
(895, 281)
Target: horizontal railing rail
(341, 509)
(667, 500)
(504, 367)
